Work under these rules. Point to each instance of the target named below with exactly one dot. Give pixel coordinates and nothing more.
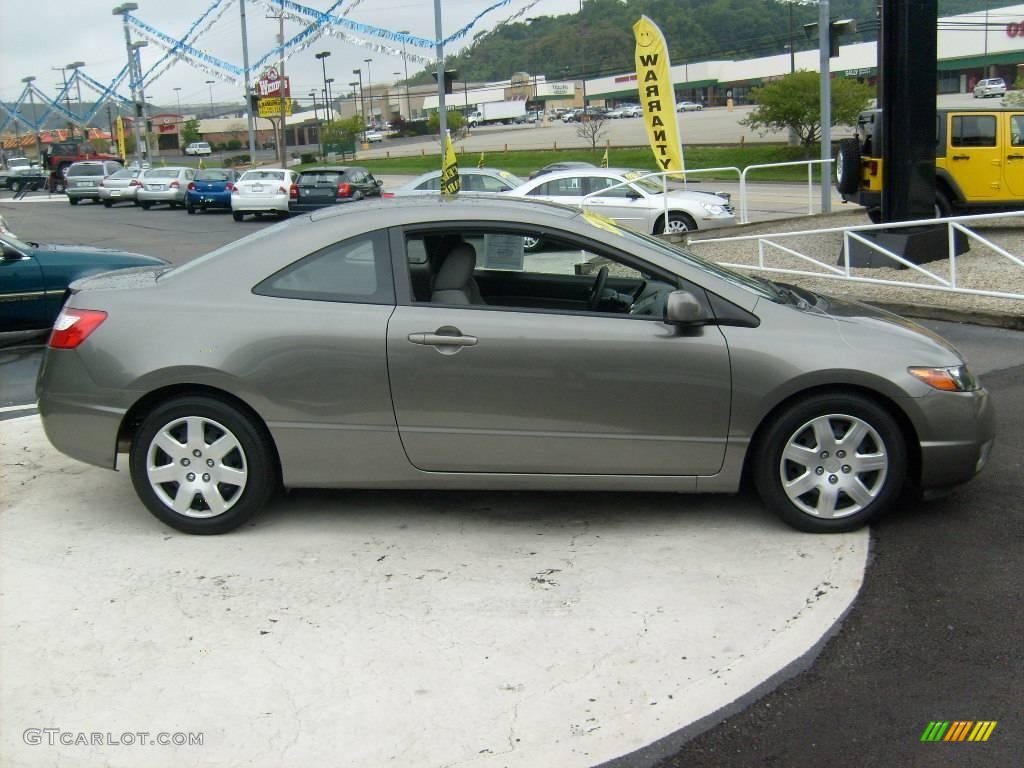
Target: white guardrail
(744, 207)
(767, 244)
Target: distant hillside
(599, 40)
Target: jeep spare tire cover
(848, 166)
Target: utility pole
(442, 118)
(67, 98)
(142, 94)
(250, 118)
(74, 65)
(32, 103)
(123, 10)
(369, 86)
(405, 69)
(282, 147)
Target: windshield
(15, 242)
(262, 176)
(650, 185)
(757, 285)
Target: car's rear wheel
(146, 205)
(831, 463)
(677, 223)
(107, 204)
(237, 215)
(190, 208)
(73, 200)
(201, 465)
(847, 165)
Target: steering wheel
(598, 289)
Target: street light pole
(405, 69)
(210, 84)
(369, 86)
(250, 119)
(177, 94)
(136, 46)
(133, 78)
(323, 62)
(362, 98)
(442, 118)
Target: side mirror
(682, 308)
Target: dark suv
(331, 185)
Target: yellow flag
(657, 97)
(604, 159)
(480, 162)
(449, 169)
(120, 139)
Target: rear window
(125, 173)
(263, 176)
(213, 175)
(86, 170)
(324, 179)
(162, 173)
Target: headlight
(956, 378)
(714, 210)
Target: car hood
(697, 197)
(863, 326)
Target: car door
(975, 159)
(519, 389)
(625, 204)
(568, 190)
(22, 291)
(1014, 162)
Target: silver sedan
(422, 346)
(120, 187)
(165, 185)
(486, 180)
(635, 199)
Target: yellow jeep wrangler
(979, 162)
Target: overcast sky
(38, 35)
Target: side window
(973, 131)
(356, 270)
(430, 184)
(513, 270)
(1017, 131)
(600, 184)
(490, 184)
(570, 187)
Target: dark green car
(34, 278)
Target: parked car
(197, 148)
(17, 166)
(612, 362)
(631, 199)
(262, 190)
(471, 180)
(991, 86)
(689, 106)
(562, 165)
(165, 185)
(83, 179)
(120, 187)
(34, 278)
(211, 188)
(373, 137)
(331, 185)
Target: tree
(454, 120)
(794, 102)
(342, 131)
(1015, 98)
(591, 130)
(190, 132)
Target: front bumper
(965, 429)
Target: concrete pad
(380, 628)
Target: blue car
(34, 278)
(211, 188)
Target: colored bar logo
(958, 730)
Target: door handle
(961, 157)
(442, 340)
(1015, 157)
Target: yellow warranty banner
(270, 106)
(121, 148)
(654, 79)
(450, 183)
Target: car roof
(464, 203)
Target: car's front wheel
(831, 463)
(677, 223)
(201, 465)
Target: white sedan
(262, 190)
(632, 198)
(689, 106)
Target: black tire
(943, 207)
(678, 222)
(146, 205)
(237, 215)
(861, 492)
(248, 470)
(875, 215)
(848, 166)
(173, 205)
(16, 186)
(191, 209)
(73, 200)
(107, 204)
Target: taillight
(344, 190)
(175, 184)
(230, 187)
(387, 194)
(73, 326)
(293, 192)
(191, 186)
(134, 183)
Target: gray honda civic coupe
(421, 345)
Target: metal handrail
(953, 224)
(744, 209)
